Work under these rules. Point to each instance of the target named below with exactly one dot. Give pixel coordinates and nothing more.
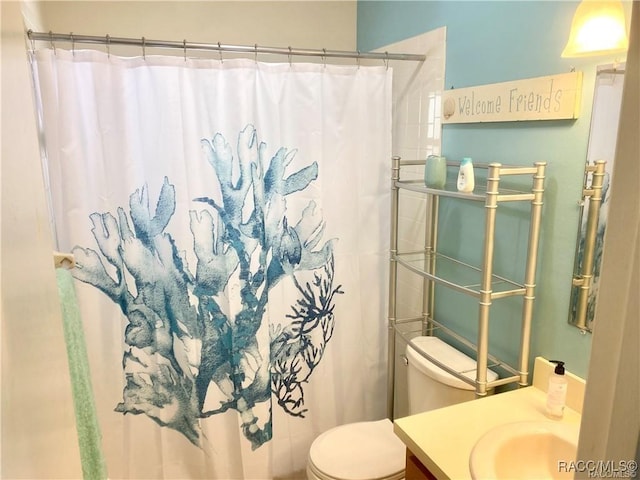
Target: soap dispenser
(557, 391)
(466, 180)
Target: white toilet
(370, 450)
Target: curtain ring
(289, 56)
(386, 60)
(324, 57)
(144, 48)
(220, 52)
(53, 47)
(358, 59)
(184, 46)
(33, 42)
(108, 39)
(255, 52)
(73, 45)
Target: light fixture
(598, 28)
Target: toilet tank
(430, 387)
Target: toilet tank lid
(447, 355)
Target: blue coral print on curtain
(182, 338)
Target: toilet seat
(357, 451)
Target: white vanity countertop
(443, 439)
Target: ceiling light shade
(598, 28)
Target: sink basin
(535, 450)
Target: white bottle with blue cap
(466, 180)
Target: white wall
(38, 427)
(299, 24)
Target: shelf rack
(478, 282)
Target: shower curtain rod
(184, 45)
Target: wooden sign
(553, 97)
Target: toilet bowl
(370, 450)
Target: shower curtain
(229, 222)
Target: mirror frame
(595, 195)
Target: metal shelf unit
(476, 281)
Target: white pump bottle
(557, 391)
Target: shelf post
(584, 279)
(530, 272)
(428, 285)
(393, 280)
(491, 206)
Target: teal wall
(498, 41)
